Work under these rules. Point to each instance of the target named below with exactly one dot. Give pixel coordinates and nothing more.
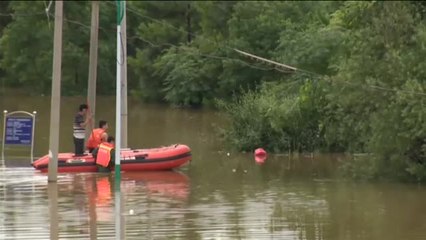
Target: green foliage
(372, 83)
(155, 37)
(187, 79)
(27, 44)
(371, 101)
(277, 119)
(19, 48)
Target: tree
(376, 79)
(162, 25)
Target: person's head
(111, 139)
(103, 124)
(83, 108)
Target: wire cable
(47, 9)
(21, 14)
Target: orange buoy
(260, 155)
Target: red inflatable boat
(153, 159)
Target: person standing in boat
(81, 119)
(105, 155)
(97, 136)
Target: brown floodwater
(216, 196)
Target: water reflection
(139, 193)
(52, 189)
(233, 205)
(82, 205)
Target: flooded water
(216, 196)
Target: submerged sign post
(19, 130)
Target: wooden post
(93, 65)
(55, 103)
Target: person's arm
(87, 121)
(104, 137)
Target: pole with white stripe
(118, 92)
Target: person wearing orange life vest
(105, 155)
(97, 136)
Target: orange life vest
(104, 154)
(95, 138)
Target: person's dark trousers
(103, 169)
(79, 146)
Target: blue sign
(19, 130)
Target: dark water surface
(216, 196)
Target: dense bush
(277, 118)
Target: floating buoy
(260, 155)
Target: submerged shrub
(276, 118)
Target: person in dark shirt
(79, 129)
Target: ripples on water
(155, 205)
(238, 203)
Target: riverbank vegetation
(359, 86)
